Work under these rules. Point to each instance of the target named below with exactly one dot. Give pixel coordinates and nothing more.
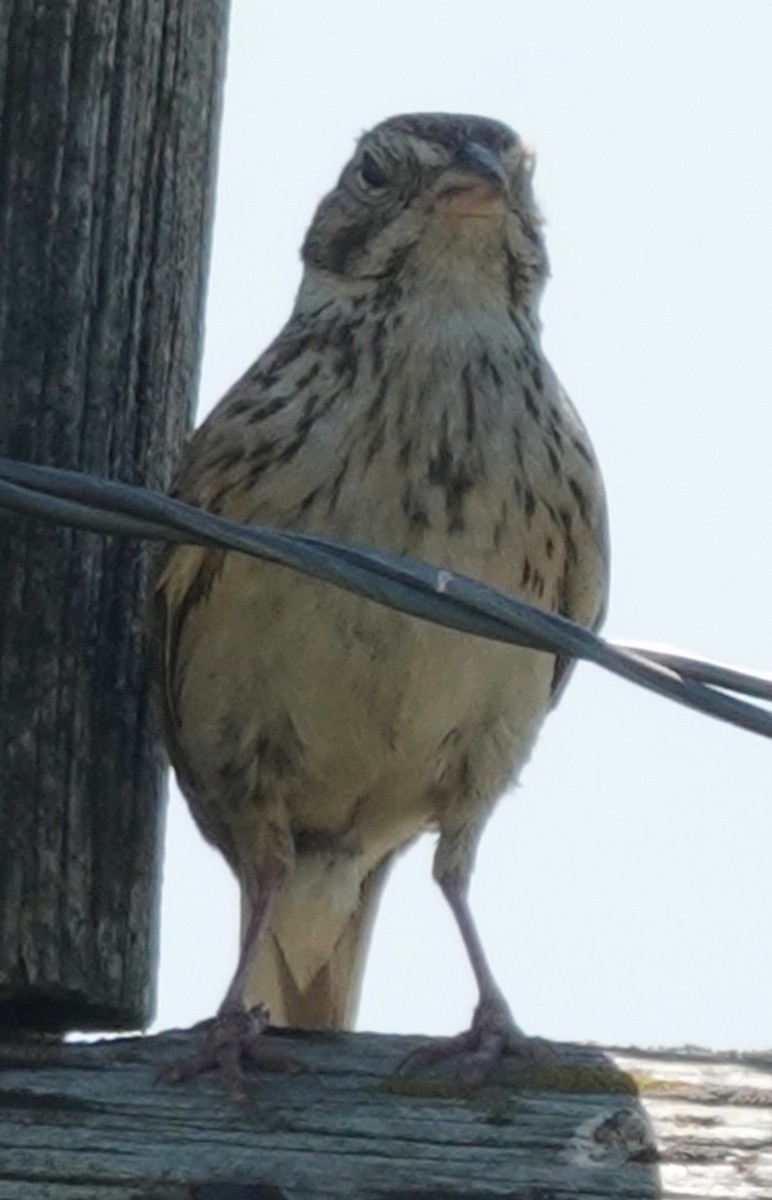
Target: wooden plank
(79, 1122)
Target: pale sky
(624, 891)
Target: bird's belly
(353, 719)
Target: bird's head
(438, 200)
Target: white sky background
(624, 892)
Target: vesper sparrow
(407, 404)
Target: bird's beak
(476, 185)
(480, 161)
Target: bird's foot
(233, 1039)
(493, 1037)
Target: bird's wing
(586, 582)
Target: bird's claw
(233, 1040)
(481, 1049)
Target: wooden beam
(91, 1122)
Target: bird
(407, 405)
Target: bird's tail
(309, 969)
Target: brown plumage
(406, 404)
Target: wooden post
(92, 1123)
(109, 113)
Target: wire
(431, 593)
(715, 674)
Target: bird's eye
(371, 173)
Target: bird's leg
(235, 1036)
(494, 1032)
(260, 886)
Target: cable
(434, 594)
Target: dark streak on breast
(267, 410)
(581, 500)
(581, 449)
(530, 403)
(452, 474)
(554, 461)
(413, 509)
(377, 402)
(337, 484)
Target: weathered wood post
(109, 113)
